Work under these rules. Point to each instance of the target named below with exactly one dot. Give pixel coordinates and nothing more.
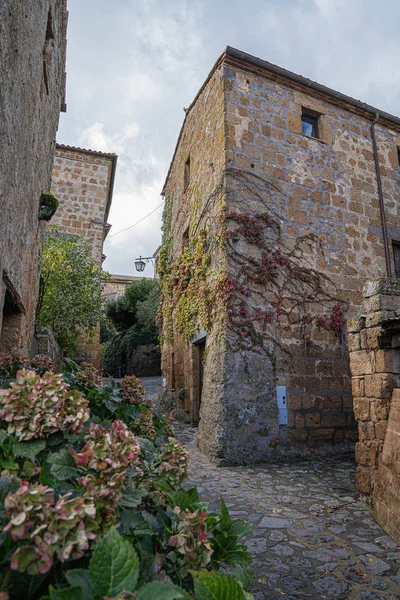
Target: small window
(309, 125)
(396, 258)
(398, 157)
(186, 175)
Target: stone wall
(202, 140)
(47, 345)
(82, 182)
(374, 344)
(324, 187)
(33, 45)
(116, 287)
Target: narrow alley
(312, 535)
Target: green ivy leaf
(161, 591)
(62, 465)
(72, 593)
(114, 566)
(216, 586)
(79, 578)
(29, 449)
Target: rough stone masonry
(33, 45)
(247, 118)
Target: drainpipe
(381, 201)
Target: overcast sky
(132, 65)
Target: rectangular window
(309, 124)
(398, 157)
(186, 175)
(396, 258)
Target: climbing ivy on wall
(262, 280)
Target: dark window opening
(398, 157)
(186, 238)
(49, 28)
(396, 257)
(12, 318)
(173, 371)
(186, 175)
(309, 125)
(48, 52)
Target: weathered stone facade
(83, 183)
(374, 345)
(247, 119)
(116, 287)
(33, 45)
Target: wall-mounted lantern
(140, 265)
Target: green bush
(91, 503)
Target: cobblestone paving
(312, 537)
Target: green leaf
(216, 586)
(62, 465)
(161, 591)
(132, 496)
(5, 488)
(225, 516)
(240, 529)
(72, 593)
(80, 578)
(3, 435)
(29, 449)
(243, 575)
(114, 566)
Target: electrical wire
(137, 222)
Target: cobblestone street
(312, 536)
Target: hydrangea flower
(11, 363)
(65, 528)
(35, 407)
(143, 426)
(133, 390)
(191, 548)
(42, 363)
(174, 460)
(89, 376)
(109, 452)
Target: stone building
(83, 183)
(282, 199)
(115, 288)
(33, 45)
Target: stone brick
(313, 420)
(380, 429)
(367, 453)
(362, 408)
(361, 362)
(366, 431)
(379, 385)
(294, 122)
(364, 480)
(357, 386)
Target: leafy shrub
(11, 363)
(89, 376)
(42, 363)
(132, 390)
(67, 483)
(35, 407)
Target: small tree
(70, 289)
